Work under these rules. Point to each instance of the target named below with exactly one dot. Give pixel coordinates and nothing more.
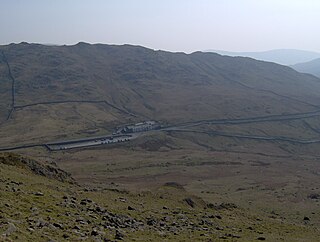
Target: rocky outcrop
(36, 167)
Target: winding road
(186, 128)
(182, 127)
(258, 119)
(251, 137)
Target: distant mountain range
(311, 67)
(281, 56)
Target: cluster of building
(138, 127)
(122, 134)
(82, 143)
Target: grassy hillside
(62, 92)
(38, 207)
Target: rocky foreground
(39, 202)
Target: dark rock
(118, 236)
(306, 219)
(76, 227)
(261, 238)
(40, 194)
(131, 208)
(151, 222)
(314, 196)
(93, 216)
(85, 201)
(15, 189)
(99, 209)
(57, 225)
(16, 183)
(94, 232)
(223, 237)
(190, 202)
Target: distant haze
(283, 57)
(311, 67)
(174, 25)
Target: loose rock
(118, 236)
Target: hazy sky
(175, 25)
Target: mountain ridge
(311, 67)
